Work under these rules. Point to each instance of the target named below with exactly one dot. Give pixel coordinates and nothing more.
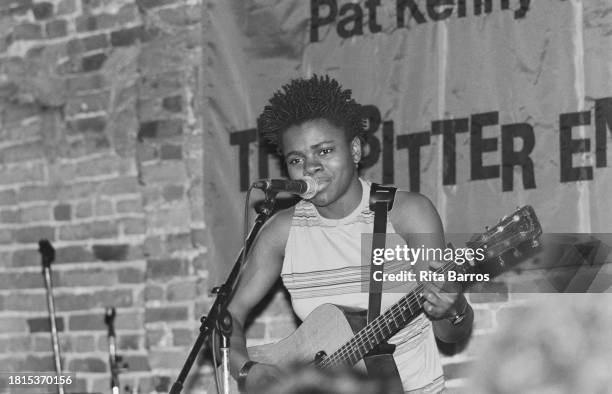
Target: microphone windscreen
(311, 189)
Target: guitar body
(326, 329)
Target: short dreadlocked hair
(302, 100)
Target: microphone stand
(47, 253)
(113, 359)
(218, 317)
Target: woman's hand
(442, 299)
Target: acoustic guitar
(334, 335)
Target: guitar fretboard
(520, 228)
(384, 326)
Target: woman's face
(320, 150)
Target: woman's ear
(356, 150)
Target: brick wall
(101, 153)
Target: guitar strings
(353, 346)
(356, 345)
(354, 350)
(378, 326)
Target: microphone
(305, 188)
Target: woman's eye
(293, 162)
(325, 151)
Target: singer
(315, 246)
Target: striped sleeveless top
(323, 265)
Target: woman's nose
(312, 166)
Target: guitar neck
(384, 326)
(517, 232)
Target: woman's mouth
(322, 184)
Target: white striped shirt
(323, 264)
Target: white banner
(481, 105)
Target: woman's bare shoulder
(414, 213)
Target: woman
(316, 246)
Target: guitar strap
(379, 361)
(381, 202)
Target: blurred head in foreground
(562, 345)
(310, 380)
